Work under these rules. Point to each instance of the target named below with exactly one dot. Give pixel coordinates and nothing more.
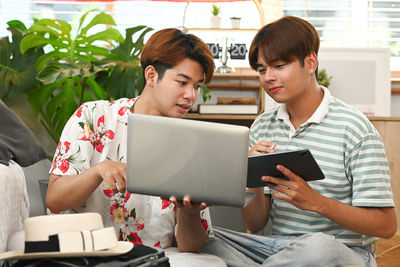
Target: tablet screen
(300, 162)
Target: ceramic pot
(215, 22)
(235, 23)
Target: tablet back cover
(300, 162)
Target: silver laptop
(205, 160)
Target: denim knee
(315, 249)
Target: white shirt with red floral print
(96, 132)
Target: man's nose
(269, 75)
(190, 92)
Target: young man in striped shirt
(330, 222)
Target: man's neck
(303, 108)
(145, 103)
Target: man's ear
(311, 61)
(151, 75)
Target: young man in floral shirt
(89, 166)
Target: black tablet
(300, 162)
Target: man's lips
(275, 89)
(184, 107)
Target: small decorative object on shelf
(224, 68)
(236, 100)
(235, 22)
(231, 105)
(215, 19)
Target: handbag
(138, 256)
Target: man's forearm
(373, 221)
(190, 235)
(67, 192)
(256, 213)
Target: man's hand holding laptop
(186, 205)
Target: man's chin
(177, 115)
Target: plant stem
(7, 68)
(82, 91)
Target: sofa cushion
(17, 142)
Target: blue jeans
(313, 249)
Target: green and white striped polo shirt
(349, 151)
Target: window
(346, 23)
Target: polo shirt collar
(318, 115)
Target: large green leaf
(55, 71)
(129, 50)
(17, 72)
(35, 40)
(66, 72)
(101, 18)
(17, 24)
(56, 102)
(122, 80)
(122, 75)
(65, 48)
(107, 35)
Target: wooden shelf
(198, 116)
(244, 79)
(245, 120)
(243, 73)
(384, 119)
(395, 82)
(233, 87)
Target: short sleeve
(252, 136)
(75, 149)
(369, 170)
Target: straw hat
(68, 235)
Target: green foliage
(17, 24)
(75, 68)
(56, 34)
(323, 78)
(215, 10)
(17, 74)
(205, 92)
(66, 72)
(121, 75)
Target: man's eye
(182, 82)
(261, 71)
(278, 66)
(197, 87)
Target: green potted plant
(215, 18)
